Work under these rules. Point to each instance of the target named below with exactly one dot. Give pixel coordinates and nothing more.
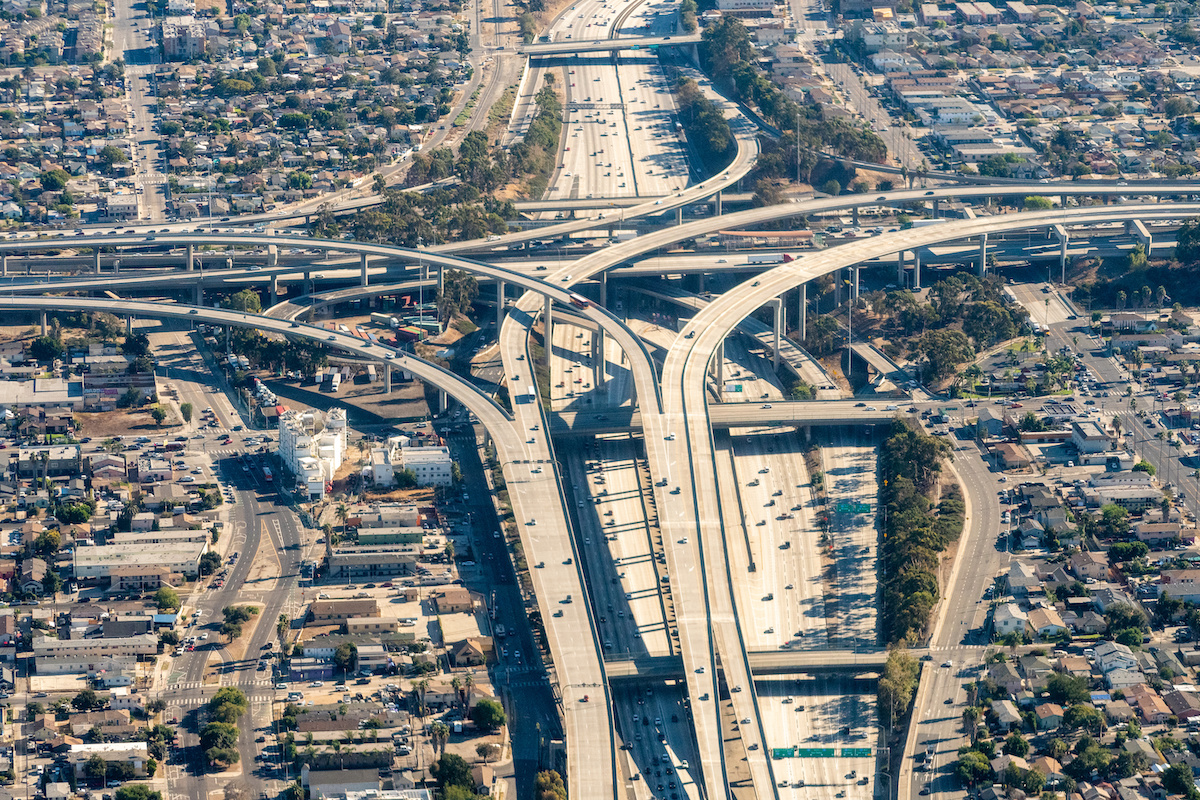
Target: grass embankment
(923, 516)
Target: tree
(944, 349)
(1016, 745)
(548, 785)
(159, 414)
(167, 599)
(973, 768)
(1144, 466)
(452, 770)
(1067, 690)
(110, 156)
(1115, 520)
(139, 791)
(88, 700)
(1177, 779)
(46, 348)
(488, 714)
(246, 300)
(487, 751)
(228, 704)
(48, 541)
(219, 735)
(185, 411)
(897, 685)
(95, 768)
(209, 563)
(1037, 203)
(1083, 716)
(346, 657)
(1123, 615)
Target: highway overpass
(762, 663)
(736, 415)
(578, 46)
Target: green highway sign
(782, 752)
(816, 752)
(856, 752)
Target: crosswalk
(185, 685)
(197, 701)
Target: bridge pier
(191, 258)
(95, 262)
(719, 364)
(362, 269)
(308, 285)
(4, 265)
(44, 331)
(443, 401)
(129, 326)
(679, 216)
(599, 371)
(116, 266)
(1141, 234)
(387, 378)
(547, 333)
(900, 269)
(499, 305)
(982, 254)
(1063, 237)
(936, 206)
(854, 284)
(604, 288)
(719, 204)
(441, 279)
(274, 289)
(228, 331)
(916, 270)
(854, 213)
(779, 324)
(803, 311)
(199, 296)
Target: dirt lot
(123, 422)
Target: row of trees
(915, 532)
(705, 124)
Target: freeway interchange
(679, 536)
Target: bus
(531, 393)
(579, 301)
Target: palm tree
(441, 735)
(456, 685)
(468, 684)
(343, 515)
(421, 687)
(337, 748)
(282, 625)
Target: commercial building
(336, 610)
(54, 461)
(368, 563)
(184, 38)
(131, 754)
(42, 393)
(433, 466)
(98, 563)
(312, 446)
(1089, 437)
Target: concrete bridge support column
(191, 258)
(982, 254)
(362, 269)
(936, 207)
(228, 331)
(547, 331)
(199, 296)
(837, 288)
(116, 266)
(441, 278)
(274, 289)
(854, 284)
(604, 288)
(129, 327)
(916, 270)
(679, 216)
(700, 288)
(1142, 234)
(803, 311)
(387, 378)
(424, 268)
(95, 262)
(808, 433)
(443, 401)
(719, 364)
(777, 320)
(308, 286)
(4, 264)
(44, 330)
(900, 269)
(499, 305)
(599, 368)
(719, 204)
(1063, 238)
(854, 212)
(272, 255)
